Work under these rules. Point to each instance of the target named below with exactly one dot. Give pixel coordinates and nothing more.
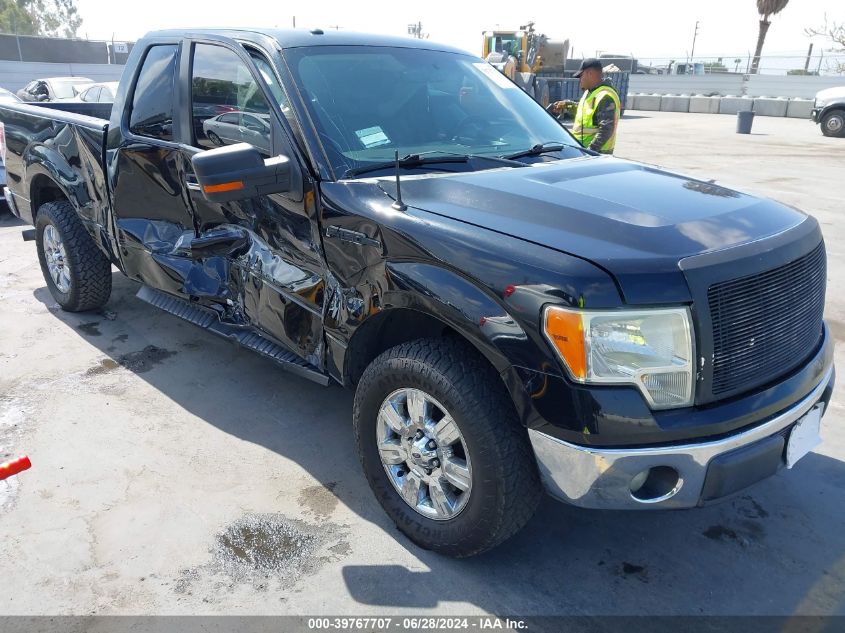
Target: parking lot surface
(176, 474)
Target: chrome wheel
(54, 252)
(424, 454)
(835, 123)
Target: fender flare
(476, 314)
(43, 162)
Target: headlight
(650, 348)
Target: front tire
(442, 448)
(833, 123)
(77, 272)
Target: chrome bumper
(601, 477)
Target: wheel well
(44, 190)
(389, 329)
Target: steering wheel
(469, 121)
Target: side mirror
(238, 172)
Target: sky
(646, 29)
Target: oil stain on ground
(637, 571)
(106, 365)
(319, 500)
(139, 362)
(90, 329)
(258, 548)
(755, 511)
(263, 543)
(724, 534)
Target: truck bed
(64, 141)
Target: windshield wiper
(537, 150)
(411, 160)
(429, 158)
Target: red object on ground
(14, 467)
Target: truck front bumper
(814, 114)
(676, 476)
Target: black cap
(590, 62)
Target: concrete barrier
(674, 103)
(769, 106)
(649, 102)
(761, 106)
(706, 105)
(799, 108)
(732, 105)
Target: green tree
(766, 9)
(715, 67)
(53, 18)
(14, 18)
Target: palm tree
(765, 8)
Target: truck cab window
(152, 104)
(223, 86)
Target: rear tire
(77, 272)
(833, 123)
(504, 487)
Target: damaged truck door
(254, 251)
(241, 178)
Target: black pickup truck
(514, 312)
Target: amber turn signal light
(226, 186)
(565, 330)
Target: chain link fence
(819, 63)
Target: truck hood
(829, 94)
(635, 221)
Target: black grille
(765, 325)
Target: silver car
(53, 88)
(239, 127)
(99, 93)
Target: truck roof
(295, 38)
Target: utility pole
(809, 54)
(694, 35)
(294, 21)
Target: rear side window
(92, 94)
(152, 104)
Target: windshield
(369, 102)
(63, 88)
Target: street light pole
(694, 35)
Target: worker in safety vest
(597, 114)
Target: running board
(208, 320)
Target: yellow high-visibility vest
(584, 129)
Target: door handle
(193, 183)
